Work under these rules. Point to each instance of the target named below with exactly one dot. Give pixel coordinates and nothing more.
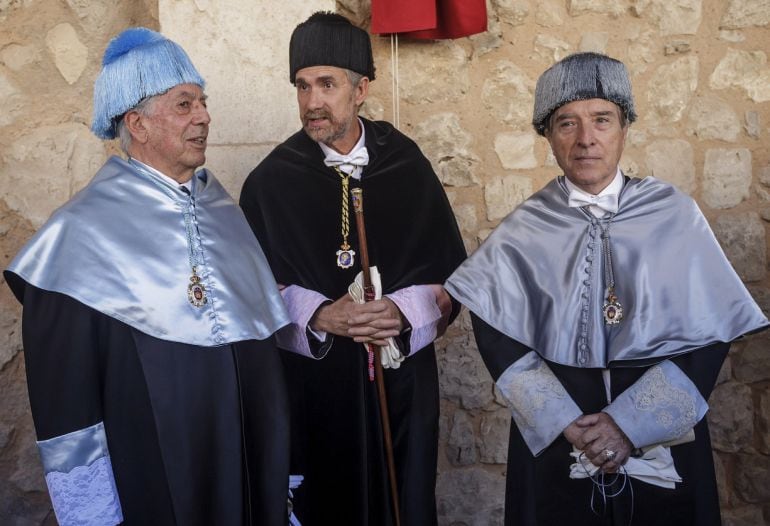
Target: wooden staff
(358, 208)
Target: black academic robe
(539, 491)
(293, 201)
(196, 435)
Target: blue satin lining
(120, 246)
(539, 279)
(79, 448)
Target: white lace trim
(673, 408)
(86, 496)
(529, 391)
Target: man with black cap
(156, 388)
(604, 307)
(297, 201)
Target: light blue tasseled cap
(138, 63)
(582, 76)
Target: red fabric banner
(429, 19)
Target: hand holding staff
(374, 351)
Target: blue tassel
(138, 63)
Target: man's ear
(362, 91)
(134, 122)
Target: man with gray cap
(603, 307)
(156, 389)
(298, 203)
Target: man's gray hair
(145, 107)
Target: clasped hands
(372, 322)
(601, 440)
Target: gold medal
(612, 310)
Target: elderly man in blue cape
(149, 309)
(604, 307)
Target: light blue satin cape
(120, 246)
(539, 279)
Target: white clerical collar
(358, 155)
(169, 180)
(611, 190)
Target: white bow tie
(608, 203)
(348, 163)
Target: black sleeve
(702, 366)
(497, 350)
(61, 341)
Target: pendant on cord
(612, 310)
(196, 292)
(345, 256)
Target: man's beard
(329, 135)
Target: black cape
(196, 434)
(292, 201)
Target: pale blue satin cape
(120, 247)
(539, 279)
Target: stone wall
(702, 85)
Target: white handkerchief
(390, 356)
(655, 466)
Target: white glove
(390, 356)
(655, 466)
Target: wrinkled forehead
(587, 107)
(312, 73)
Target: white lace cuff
(79, 476)
(662, 405)
(540, 405)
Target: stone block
(743, 516)
(731, 417)
(242, 50)
(752, 484)
(447, 145)
(613, 8)
(68, 154)
(763, 420)
(742, 237)
(726, 176)
(16, 56)
(745, 13)
(493, 437)
(595, 42)
(490, 39)
(462, 376)
(752, 363)
(551, 49)
(516, 151)
(512, 12)
(550, 13)
(232, 164)
(503, 194)
(764, 175)
(752, 126)
(470, 497)
(670, 93)
(433, 73)
(508, 94)
(467, 218)
(682, 17)
(743, 69)
(69, 53)
(642, 51)
(461, 444)
(761, 295)
(712, 118)
(13, 101)
(672, 161)
(677, 47)
(373, 108)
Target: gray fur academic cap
(138, 63)
(329, 39)
(582, 76)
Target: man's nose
(586, 135)
(201, 114)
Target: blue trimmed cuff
(79, 476)
(662, 405)
(540, 405)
